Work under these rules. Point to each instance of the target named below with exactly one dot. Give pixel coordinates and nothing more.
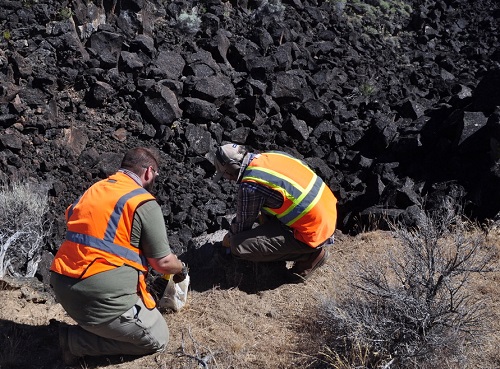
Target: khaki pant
(138, 331)
(271, 241)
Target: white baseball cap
(225, 156)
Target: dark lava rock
(389, 106)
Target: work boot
(66, 355)
(302, 270)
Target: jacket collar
(132, 175)
(244, 164)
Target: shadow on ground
(29, 346)
(211, 265)
(24, 346)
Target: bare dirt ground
(225, 328)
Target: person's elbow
(168, 264)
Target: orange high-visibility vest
(99, 226)
(309, 206)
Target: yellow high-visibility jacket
(309, 206)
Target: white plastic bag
(175, 295)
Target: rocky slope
(389, 101)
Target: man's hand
(226, 241)
(179, 277)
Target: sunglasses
(156, 172)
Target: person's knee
(163, 342)
(156, 344)
(238, 250)
(234, 250)
(161, 337)
(234, 245)
(155, 335)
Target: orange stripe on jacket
(309, 206)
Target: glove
(179, 277)
(226, 241)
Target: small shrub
(23, 207)
(189, 22)
(28, 3)
(274, 7)
(65, 13)
(413, 309)
(385, 6)
(366, 89)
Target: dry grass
(229, 328)
(476, 295)
(488, 288)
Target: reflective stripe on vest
(100, 242)
(303, 198)
(309, 206)
(107, 243)
(114, 219)
(107, 246)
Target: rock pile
(389, 101)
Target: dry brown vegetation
(278, 328)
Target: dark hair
(138, 158)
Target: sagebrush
(412, 308)
(23, 209)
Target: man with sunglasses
(285, 212)
(115, 233)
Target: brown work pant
(271, 241)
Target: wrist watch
(184, 271)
